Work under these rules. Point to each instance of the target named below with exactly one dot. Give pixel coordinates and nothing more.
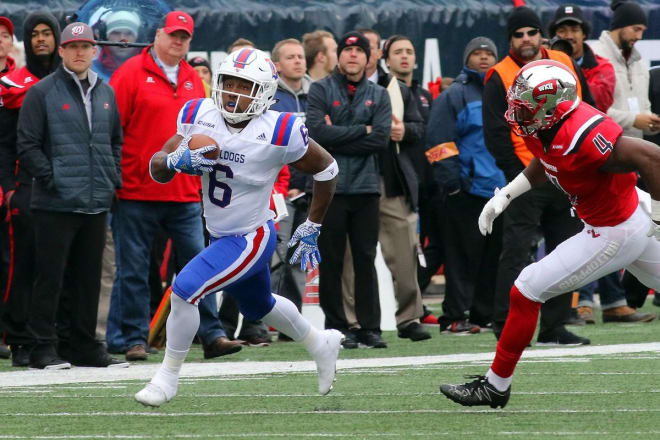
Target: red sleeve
(281, 185)
(602, 80)
(122, 81)
(598, 143)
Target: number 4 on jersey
(603, 144)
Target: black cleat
(477, 392)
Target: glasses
(529, 33)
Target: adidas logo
(150, 80)
(261, 137)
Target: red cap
(4, 21)
(178, 21)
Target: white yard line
(146, 371)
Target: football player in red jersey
(582, 152)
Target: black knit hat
(199, 61)
(569, 14)
(354, 38)
(627, 14)
(522, 17)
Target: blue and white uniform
(236, 199)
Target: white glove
(308, 251)
(492, 209)
(188, 161)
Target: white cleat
(152, 395)
(326, 359)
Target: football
(202, 140)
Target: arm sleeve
(8, 122)
(31, 137)
(123, 86)
(379, 138)
(598, 144)
(441, 137)
(586, 91)
(602, 83)
(298, 142)
(192, 111)
(497, 133)
(413, 123)
(328, 136)
(117, 142)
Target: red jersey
(572, 162)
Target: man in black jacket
(351, 118)
(69, 139)
(400, 188)
(41, 35)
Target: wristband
(518, 186)
(329, 173)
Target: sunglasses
(529, 33)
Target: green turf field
(614, 395)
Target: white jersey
(236, 195)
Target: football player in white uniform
(254, 144)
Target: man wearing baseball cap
(7, 63)
(151, 89)
(69, 139)
(352, 117)
(569, 24)
(631, 108)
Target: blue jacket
(456, 119)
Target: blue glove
(188, 161)
(308, 250)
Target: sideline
(192, 370)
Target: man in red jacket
(151, 88)
(7, 64)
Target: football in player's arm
(314, 161)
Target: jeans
(133, 228)
(610, 289)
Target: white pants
(592, 254)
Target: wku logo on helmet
(351, 40)
(243, 59)
(548, 87)
(77, 30)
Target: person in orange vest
(545, 206)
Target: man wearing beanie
(570, 25)
(631, 108)
(455, 143)
(546, 205)
(351, 117)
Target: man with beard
(41, 34)
(631, 108)
(546, 205)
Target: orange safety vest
(508, 69)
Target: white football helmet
(252, 65)
(543, 93)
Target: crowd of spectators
(416, 169)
